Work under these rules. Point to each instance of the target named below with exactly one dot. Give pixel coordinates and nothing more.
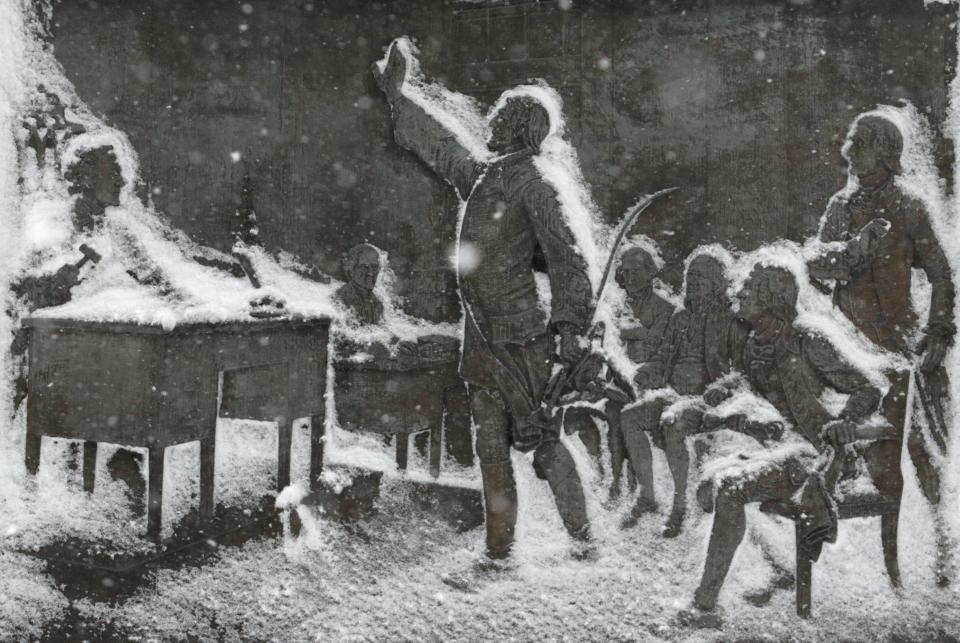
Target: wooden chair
(883, 457)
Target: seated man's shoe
(642, 506)
(700, 618)
(674, 525)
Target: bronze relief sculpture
(764, 355)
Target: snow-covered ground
(332, 585)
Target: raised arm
(417, 131)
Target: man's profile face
(862, 153)
(366, 270)
(634, 273)
(100, 181)
(108, 182)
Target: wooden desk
(143, 386)
(404, 395)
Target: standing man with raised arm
(509, 344)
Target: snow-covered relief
(402, 573)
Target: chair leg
(888, 538)
(804, 580)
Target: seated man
(696, 351)
(361, 267)
(647, 315)
(652, 312)
(792, 368)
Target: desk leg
(155, 493)
(32, 456)
(283, 455)
(208, 450)
(436, 441)
(403, 443)
(317, 434)
(89, 465)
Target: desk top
(253, 324)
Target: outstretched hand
(390, 80)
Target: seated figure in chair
(361, 267)
(642, 332)
(652, 313)
(696, 351)
(791, 368)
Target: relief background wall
(743, 104)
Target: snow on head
(122, 149)
(714, 251)
(815, 310)
(559, 166)
(917, 174)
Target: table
(406, 394)
(144, 386)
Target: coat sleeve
(570, 288)
(834, 224)
(417, 131)
(864, 397)
(928, 255)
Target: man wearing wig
(872, 287)
(511, 216)
(792, 368)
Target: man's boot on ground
(500, 505)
